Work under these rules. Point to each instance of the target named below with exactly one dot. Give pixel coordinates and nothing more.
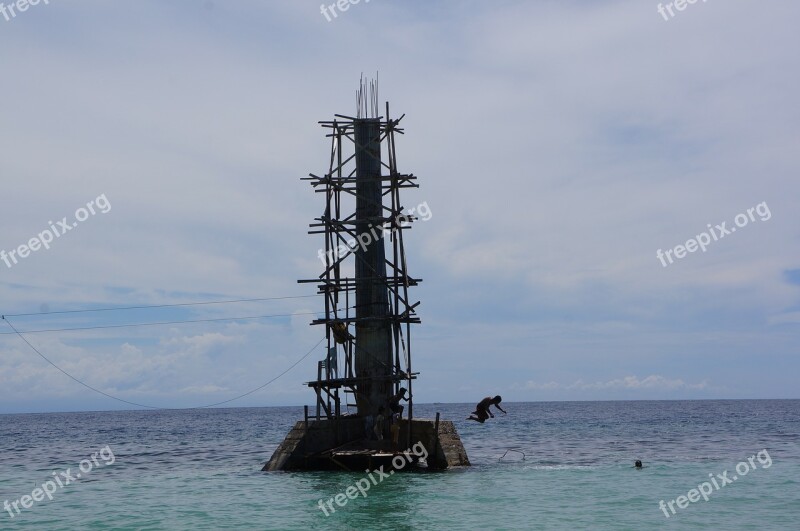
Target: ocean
(545, 465)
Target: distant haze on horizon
(568, 153)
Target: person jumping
(482, 412)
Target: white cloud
(652, 382)
(559, 144)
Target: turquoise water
(200, 469)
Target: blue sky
(559, 145)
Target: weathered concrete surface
(447, 449)
(301, 448)
(310, 449)
(373, 345)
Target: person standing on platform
(379, 421)
(394, 401)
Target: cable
(269, 382)
(156, 407)
(158, 323)
(45, 358)
(163, 305)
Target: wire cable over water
(260, 299)
(145, 405)
(134, 325)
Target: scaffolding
(365, 282)
(368, 313)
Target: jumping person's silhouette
(482, 412)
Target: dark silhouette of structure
(368, 312)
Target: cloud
(649, 383)
(560, 144)
(784, 318)
(203, 389)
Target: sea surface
(570, 467)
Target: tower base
(339, 444)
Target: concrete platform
(339, 444)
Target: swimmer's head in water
(638, 464)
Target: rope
(513, 450)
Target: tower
(368, 312)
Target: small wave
(558, 467)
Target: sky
(560, 147)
